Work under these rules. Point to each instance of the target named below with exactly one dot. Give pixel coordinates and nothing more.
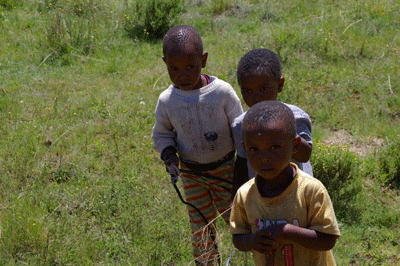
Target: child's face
(269, 149)
(185, 68)
(256, 88)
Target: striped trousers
(210, 197)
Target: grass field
(79, 81)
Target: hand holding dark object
(270, 258)
(174, 172)
(168, 155)
(171, 166)
(261, 242)
(172, 159)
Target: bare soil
(342, 137)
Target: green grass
(80, 183)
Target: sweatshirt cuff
(168, 152)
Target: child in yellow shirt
(283, 215)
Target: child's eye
(275, 147)
(245, 91)
(253, 149)
(189, 67)
(264, 89)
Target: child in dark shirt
(259, 78)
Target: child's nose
(184, 73)
(257, 97)
(266, 156)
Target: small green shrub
(340, 171)
(389, 162)
(152, 18)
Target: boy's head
(269, 136)
(259, 76)
(184, 57)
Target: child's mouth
(185, 84)
(267, 170)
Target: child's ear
(243, 145)
(204, 59)
(163, 58)
(281, 82)
(296, 143)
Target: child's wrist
(168, 153)
(251, 241)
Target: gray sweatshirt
(197, 122)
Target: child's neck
(203, 81)
(275, 187)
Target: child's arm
(232, 107)
(240, 228)
(259, 242)
(264, 241)
(304, 152)
(164, 135)
(308, 238)
(240, 175)
(321, 218)
(303, 129)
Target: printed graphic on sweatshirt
(198, 130)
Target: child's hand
(171, 166)
(275, 232)
(261, 242)
(168, 155)
(172, 159)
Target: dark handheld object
(270, 259)
(201, 214)
(191, 205)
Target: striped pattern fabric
(211, 197)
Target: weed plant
(65, 35)
(151, 19)
(389, 163)
(219, 7)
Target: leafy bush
(389, 162)
(152, 18)
(340, 171)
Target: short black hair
(259, 61)
(182, 38)
(267, 112)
